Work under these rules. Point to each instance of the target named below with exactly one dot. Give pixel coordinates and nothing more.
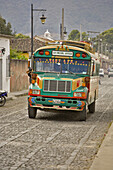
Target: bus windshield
(61, 65)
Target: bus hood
(60, 76)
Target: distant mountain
(94, 15)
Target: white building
(4, 62)
(47, 35)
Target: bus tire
(83, 115)
(32, 112)
(91, 107)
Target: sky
(92, 15)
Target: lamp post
(43, 18)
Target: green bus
(65, 76)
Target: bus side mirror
(93, 68)
(29, 71)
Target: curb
(12, 96)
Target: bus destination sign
(62, 53)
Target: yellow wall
(26, 55)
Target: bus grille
(57, 86)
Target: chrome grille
(57, 86)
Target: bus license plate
(56, 101)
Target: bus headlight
(79, 94)
(33, 91)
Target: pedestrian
(29, 74)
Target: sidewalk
(104, 157)
(13, 95)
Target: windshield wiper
(69, 71)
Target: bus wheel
(32, 112)
(83, 115)
(91, 107)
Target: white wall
(5, 43)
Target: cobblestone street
(54, 140)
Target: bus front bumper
(56, 104)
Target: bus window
(93, 68)
(92, 63)
(47, 65)
(75, 66)
(62, 65)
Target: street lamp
(43, 18)
(64, 32)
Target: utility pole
(99, 51)
(62, 32)
(106, 46)
(93, 32)
(101, 47)
(80, 32)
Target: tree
(5, 28)
(2, 25)
(21, 36)
(75, 35)
(105, 40)
(107, 36)
(8, 29)
(84, 36)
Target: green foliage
(104, 42)
(107, 36)
(75, 35)
(17, 55)
(21, 36)
(84, 36)
(5, 28)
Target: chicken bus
(65, 76)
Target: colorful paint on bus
(65, 76)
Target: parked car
(110, 73)
(101, 72)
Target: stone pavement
(104, 158)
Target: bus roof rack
(81, 44)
